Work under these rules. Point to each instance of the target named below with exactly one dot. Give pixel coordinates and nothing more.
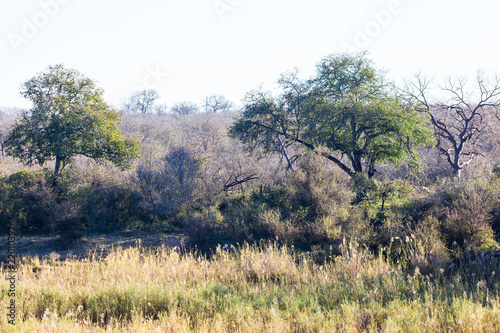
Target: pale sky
(187, 49)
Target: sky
(188, 49)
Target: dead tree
(460, 115)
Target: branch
(228, 184)
(308, 145)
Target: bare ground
(45, 246)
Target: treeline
(269, 172)
(197, 180)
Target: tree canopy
(184, 108)
(348, 112)
(215, 103)
(69, 117)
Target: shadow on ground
(45, 246)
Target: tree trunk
(1, 148)
(356, 162)
(370, 166)
(457, 171)
(58, 166)
(456, 164)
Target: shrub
(28, 200)
(464, 212)
(203, 229)
(106, 208)
(242, 221)
(422, 248)
(310, 206)
(11, 208)
(70, 230)
(496, 171)
(172, 187)
(466, 216)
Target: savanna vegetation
(337, 203)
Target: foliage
(496, 171)
(69, 117)
(463, 214)
(27, 201)
(348, 108)
(77, 204)
(306, 210)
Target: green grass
(253, 289)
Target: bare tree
(204, 133)
(184, 108)
(460, 116)
(216, 103)
(142, 101)
(161, 109)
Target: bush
(106, 208)
(172, 187)
(313, 203)
(203, 229)
(422, 249)
(242, 221)
(464, 211)
(496, 171)
(466, 216)
(28, 200)
(40, 205)
(11, 208)
(70, 230)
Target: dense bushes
(464, 212)
(172, 187)
(196, 180)
(67, 205)
(28, 200)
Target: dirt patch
(45, 246)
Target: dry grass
(250, 289)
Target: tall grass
(262, 288)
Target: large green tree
(69, 117)
(348, 112)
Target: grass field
(249, 289)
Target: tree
(69, 117)
(1, 146)
(161, 109)
(173, 184)
(216, 103)
(460, 118)
(184, 108)
(347, 110)
(142, 101)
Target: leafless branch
(460, 120)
